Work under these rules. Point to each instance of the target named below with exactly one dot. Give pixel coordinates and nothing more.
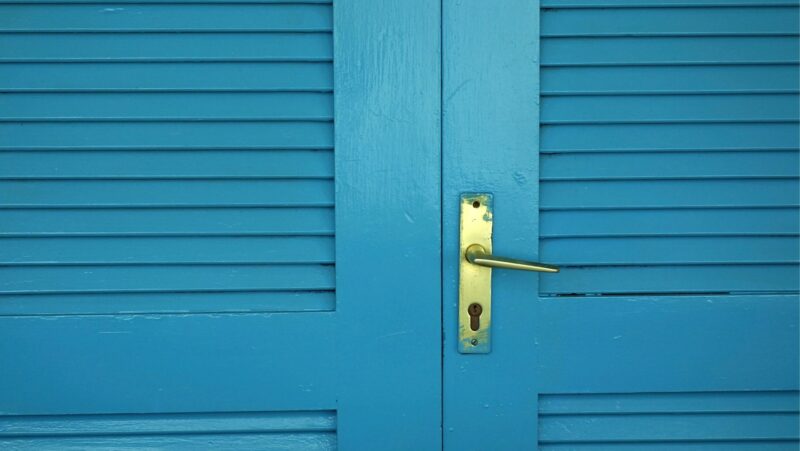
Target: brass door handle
(475, 263)
(477, 255)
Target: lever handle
(477, 255)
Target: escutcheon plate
(475, 282)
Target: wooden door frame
(388, 223)
(490, 124)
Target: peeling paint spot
(395, 334)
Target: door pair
(239, 226)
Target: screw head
(474, 342)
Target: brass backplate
(475, 282)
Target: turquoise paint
(665, 185)
(242, 226)
(193, 255)
(388, 217)
(490, 132)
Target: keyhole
(474, 311)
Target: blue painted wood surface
(388, 222)
(664, 171)
(185, 260)
(490, 128)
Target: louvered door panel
(161, 156)
(186, 262)
(166, 157)
(651, 150)
(669, 146)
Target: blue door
(239, 225)
(200, 243)
(650, 150)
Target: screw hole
(476, 204)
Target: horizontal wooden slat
(164, 278)
(151, 362)
(155, 47)
(656, 3)
(670, 193)
(218, 76)
(253, 422)
(205, 135)
(734, 221)
(166, 250)
(166, 163)
(164, 17)
(668, 79)
(673, 108)
(670, 250)
(129, 193)
(669, 165)
(27, 304)
(689, 402)
(161, 221)
(672, 21)
(311, 441)
(236, 431)
(167, 106)
(669, 50)
(705, 445)
(668, 427)
(647, 137)
(674, 279)
(140, 2)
